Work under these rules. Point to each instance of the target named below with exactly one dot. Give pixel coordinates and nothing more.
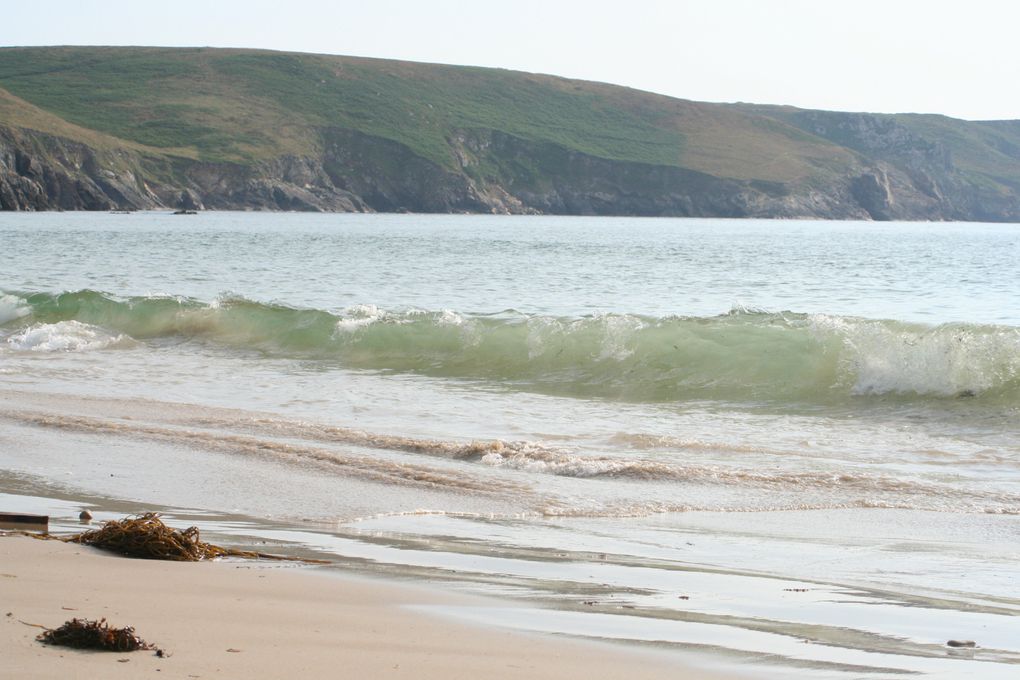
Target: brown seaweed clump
(146, 537)
(85, 634)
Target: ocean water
(790, 448)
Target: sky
(958, 58)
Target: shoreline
(284, 621)
(167, 210)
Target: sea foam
(12, 308)
(65, 336)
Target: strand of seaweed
(145, 536)
(86, 634)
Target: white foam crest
(540, 459)
(946, 361)
(738, 307)
(448, 317)
(65, 336)
(11, 308)
(357, 317)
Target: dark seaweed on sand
(85, 634)
(146, 537)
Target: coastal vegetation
(140, 127)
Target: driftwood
(15, 520)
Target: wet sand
(266, 620)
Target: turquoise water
(809, 429)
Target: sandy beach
(264, 620)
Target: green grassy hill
(513, 141)
(239, 105)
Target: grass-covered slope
(252, 128)
(985, 153)
(237, 105)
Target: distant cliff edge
(147, 128)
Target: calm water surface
(929, 272)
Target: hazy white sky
(960, 58)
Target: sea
(783, 448)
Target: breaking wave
(740, 356)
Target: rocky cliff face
(40, 172)
(907, 176)
(494, 173)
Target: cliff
(146, 128)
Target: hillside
(100, 128)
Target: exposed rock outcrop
(871, 191)
(909, 176)
(493, 172)
(44, 173)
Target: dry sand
(283, 622)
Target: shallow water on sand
(794, 446)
